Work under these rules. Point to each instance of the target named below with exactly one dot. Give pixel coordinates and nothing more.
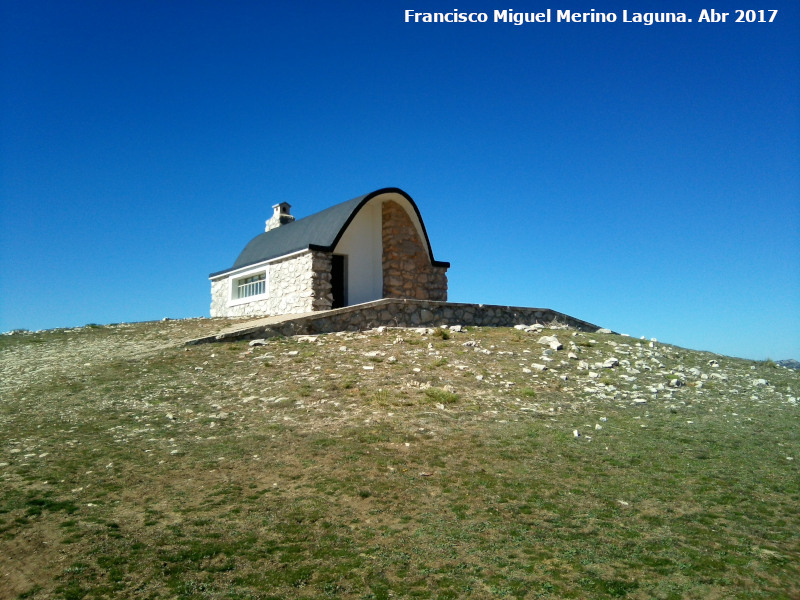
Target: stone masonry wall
(394, 312)
(296, 285)
(219, 297)
(322, 292)
(407, 271)
(289, 282)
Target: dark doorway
(338, 280)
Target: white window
(252, 285)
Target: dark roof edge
(232, 269)
(258, 262)
(367, 198)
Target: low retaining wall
(391, 312)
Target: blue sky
(644, 178)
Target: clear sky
(644, 178)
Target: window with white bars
(254, 285)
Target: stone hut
(371, 247)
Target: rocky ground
(118, 442)
(585, 366)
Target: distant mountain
(789, 363)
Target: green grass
(139, 476)
(442, 396)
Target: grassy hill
(393, 464)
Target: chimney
(280, 216)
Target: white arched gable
(362, 244)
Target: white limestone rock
(551, 341)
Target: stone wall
(295, 285)
(392, 312)
(321, 290)
(407, 270)
(219, 297)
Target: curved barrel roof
(320, 231)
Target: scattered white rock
(536, 327)
(551, 341)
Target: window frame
(235, 282)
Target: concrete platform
(394, 312)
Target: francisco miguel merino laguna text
(568, 16)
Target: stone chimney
(280, 216)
